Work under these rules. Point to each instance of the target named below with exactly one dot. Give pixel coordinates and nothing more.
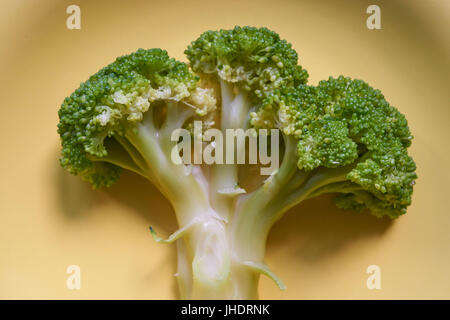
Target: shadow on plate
(319, 229)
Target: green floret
(359, 200)
(368, 114)
(257, 60)
(380, 131)
(110, 102)
(326, 143)
(341, 136)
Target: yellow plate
(50, 220)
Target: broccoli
(340, 137)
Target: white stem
(235, 107)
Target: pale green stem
(134, 154)
(234, 112)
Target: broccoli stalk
(338, 137)
(224, 177)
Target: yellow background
(50, 220)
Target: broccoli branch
(258, 211)
(224, 182)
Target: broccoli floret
(345, 123)
(256, 60)
(108, 110)
(340, 137)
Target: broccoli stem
(206, 269)
(132, 152)
(204, 256)
(177, 114)
(145, 142)
(338, 187)
(221, 243)
(257, 212)
(224, 177)
(184, 271)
